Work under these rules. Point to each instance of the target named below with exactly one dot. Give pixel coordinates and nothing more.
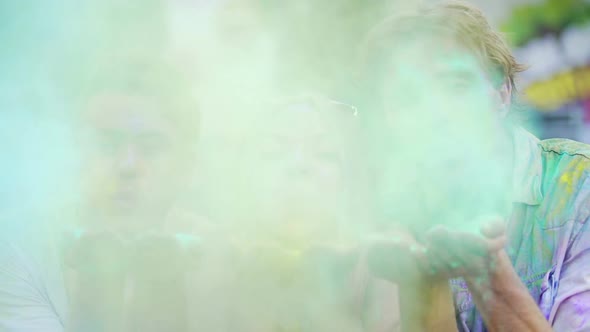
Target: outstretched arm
(504, 302)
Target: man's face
(299, 153)
(438, 94)
(299, 165)
(446, 145)
(439, 84)
(134, 164)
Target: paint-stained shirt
(548, 231)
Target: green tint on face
(424, 75)
(133, 160)
(296, 170)
(445, 162)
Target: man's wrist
(497, 277)
(503, 300)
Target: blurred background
(552, 37)
(237, 49)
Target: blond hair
(459, 20)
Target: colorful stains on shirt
(549, 240)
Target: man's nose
(129, 162)
(300, 162)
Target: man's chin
(124, 208)
(127, 217)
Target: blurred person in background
(117, 259)
(526, 274)
(299, 210)
(117, 263)
(141, 124)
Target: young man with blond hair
(528, 273)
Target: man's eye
(108, 142)
(328, 157)
(109, 145)
(153, 148)
(459, 85)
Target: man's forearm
(427, 306)
(504, 302)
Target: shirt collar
(528, 168)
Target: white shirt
(32, 290)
